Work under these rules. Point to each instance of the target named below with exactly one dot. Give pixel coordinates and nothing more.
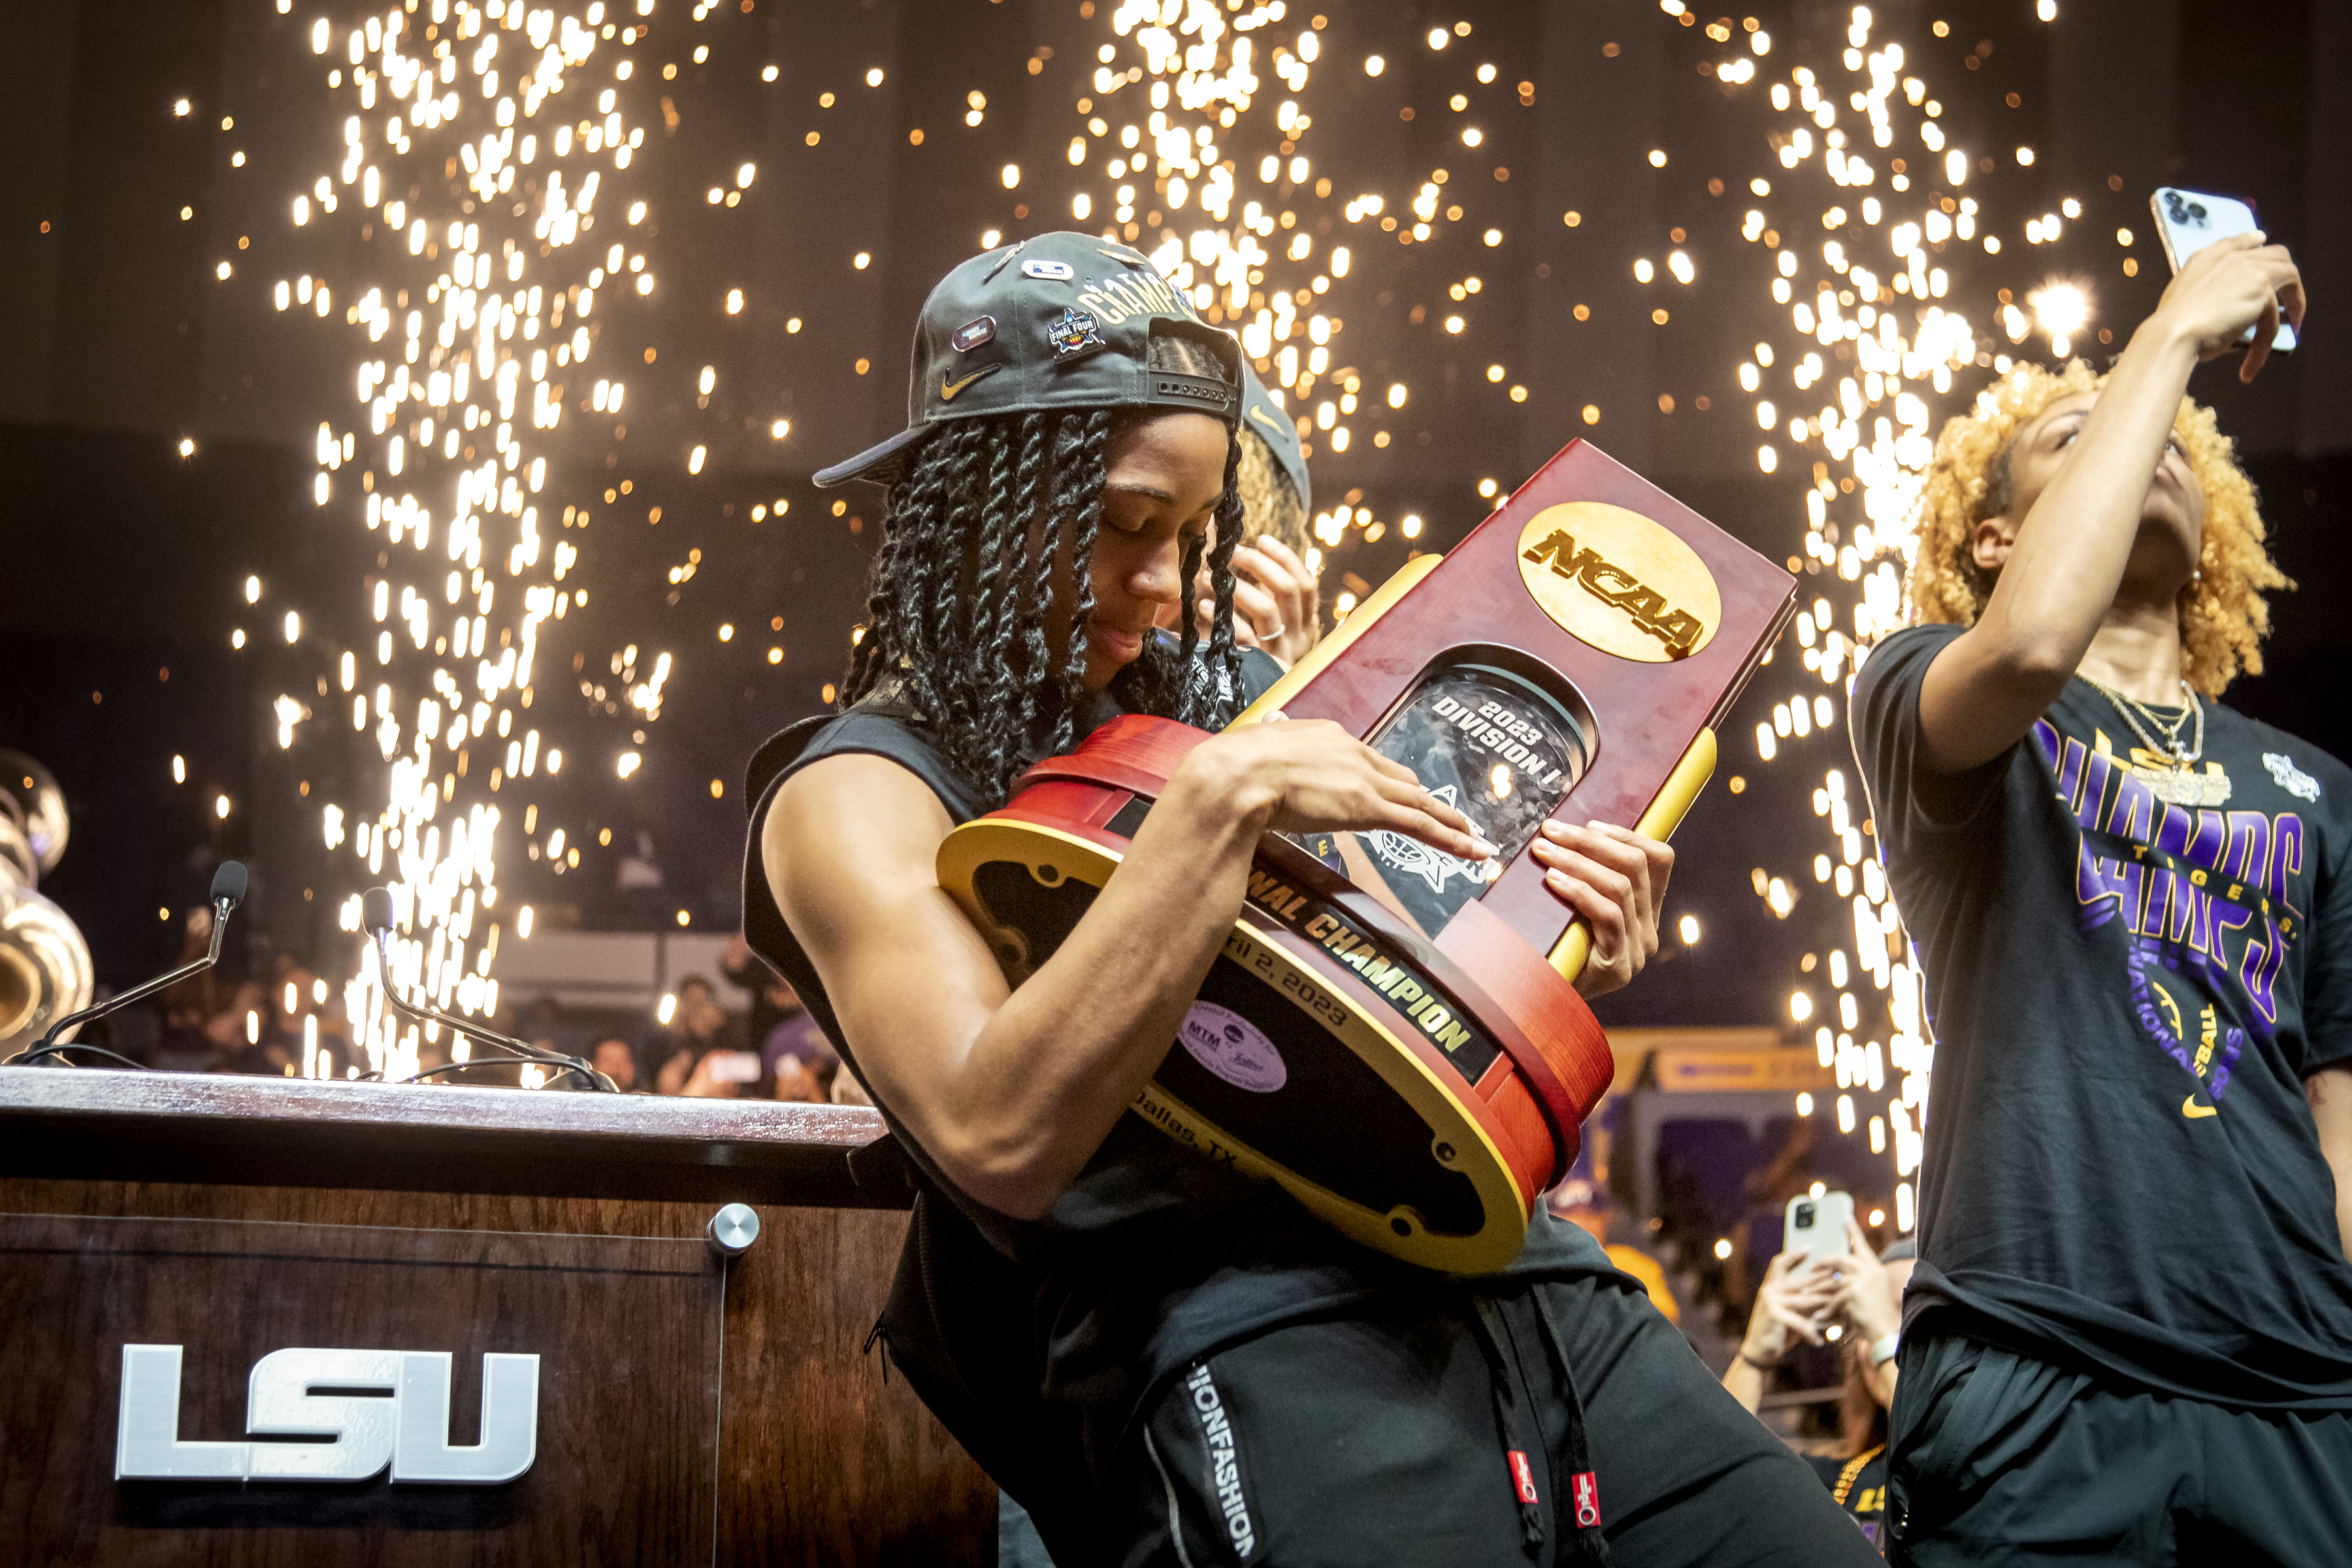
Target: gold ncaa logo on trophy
(1619, 582)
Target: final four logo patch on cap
(1072, 333)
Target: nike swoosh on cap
(947, 389)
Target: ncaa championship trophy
(1389, 1032)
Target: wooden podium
(684, 1406)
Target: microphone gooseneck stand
(228, 893)
(375, 914)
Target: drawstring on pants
(1575, 1495)
(1579, 1498)
(1490, 1342)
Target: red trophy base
(1392, 1033)
(1420, 1103)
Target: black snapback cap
(1058, 321)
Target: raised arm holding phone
(2087, 557)
(2129, 1335)
(1853, 1296)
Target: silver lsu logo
(363, 1432)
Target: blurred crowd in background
(742, 1033)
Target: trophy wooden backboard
(1626, 624)
(1382, 1032)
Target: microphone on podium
(375, 918)
(228, 893)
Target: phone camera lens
(2196, 211)
(1804, 1216)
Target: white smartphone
(1818, 1224)
(734, 1067)
(2189, 221)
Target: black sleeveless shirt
(1154, 1256)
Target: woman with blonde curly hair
(2223, 615)
(2129, 1335)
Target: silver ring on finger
(1269, 636)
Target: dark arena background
(276, 585)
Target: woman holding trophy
(1164, 1360)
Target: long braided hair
(962, 586)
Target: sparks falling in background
(1212, 174)
(1875, 271)
(1199, 161)
(472, 338)
(1867, 294)
(1863, 214)
(1195, 137)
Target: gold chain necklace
(2172, 729)
(2133, 710)
(1853, 1472)
(2178, 783)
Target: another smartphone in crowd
(734, 1067)
(1818, 1224)
(2189, 221)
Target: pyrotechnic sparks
(1875, 439)
(493, 286)
(2060, 310)
(1851, 388)
(478, 145)
(1220, 139)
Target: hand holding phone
(734, 1066)
(2238, 275)
(1797, 1296)
(1817, 1225)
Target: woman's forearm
(1061, 1060)
(1760, 1348)
(2065, 563)
(1012, 1090)
(2068, 559)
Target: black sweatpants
(1433, 1434)
(1997, 1458)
